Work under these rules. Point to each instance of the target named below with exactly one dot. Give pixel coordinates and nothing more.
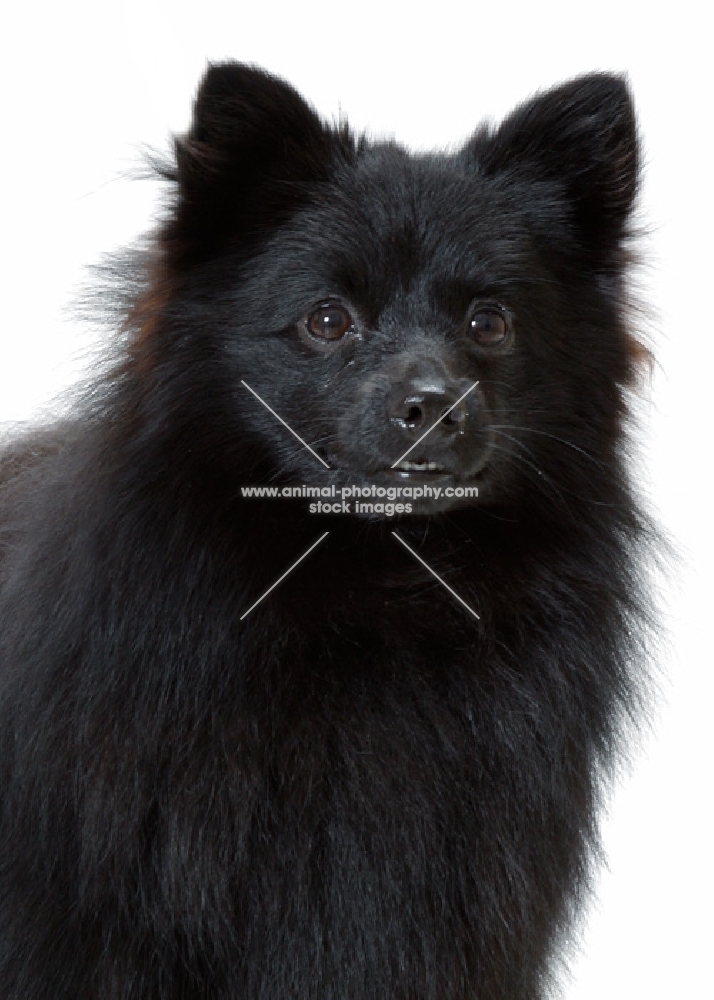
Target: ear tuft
(236, 104)
(253, 147)
(581, 135)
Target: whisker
(555, 437)
(517, 458)
(547, 479)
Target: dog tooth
(421, 466)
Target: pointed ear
(253, 146)
(582, 136)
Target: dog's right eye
(329, 321)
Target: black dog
(364, 784)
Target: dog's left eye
(488, 326)
(329, 321)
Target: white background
(86, 87)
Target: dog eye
(329, 321)
(488, 326)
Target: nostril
(454, 415)
(414, 416)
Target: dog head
(449, 319)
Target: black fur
(359, 790)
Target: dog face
(375, 299)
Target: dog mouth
(403, 470)
(409, 471)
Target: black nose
(418, 405)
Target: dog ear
(582, 136)
(253, 148)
